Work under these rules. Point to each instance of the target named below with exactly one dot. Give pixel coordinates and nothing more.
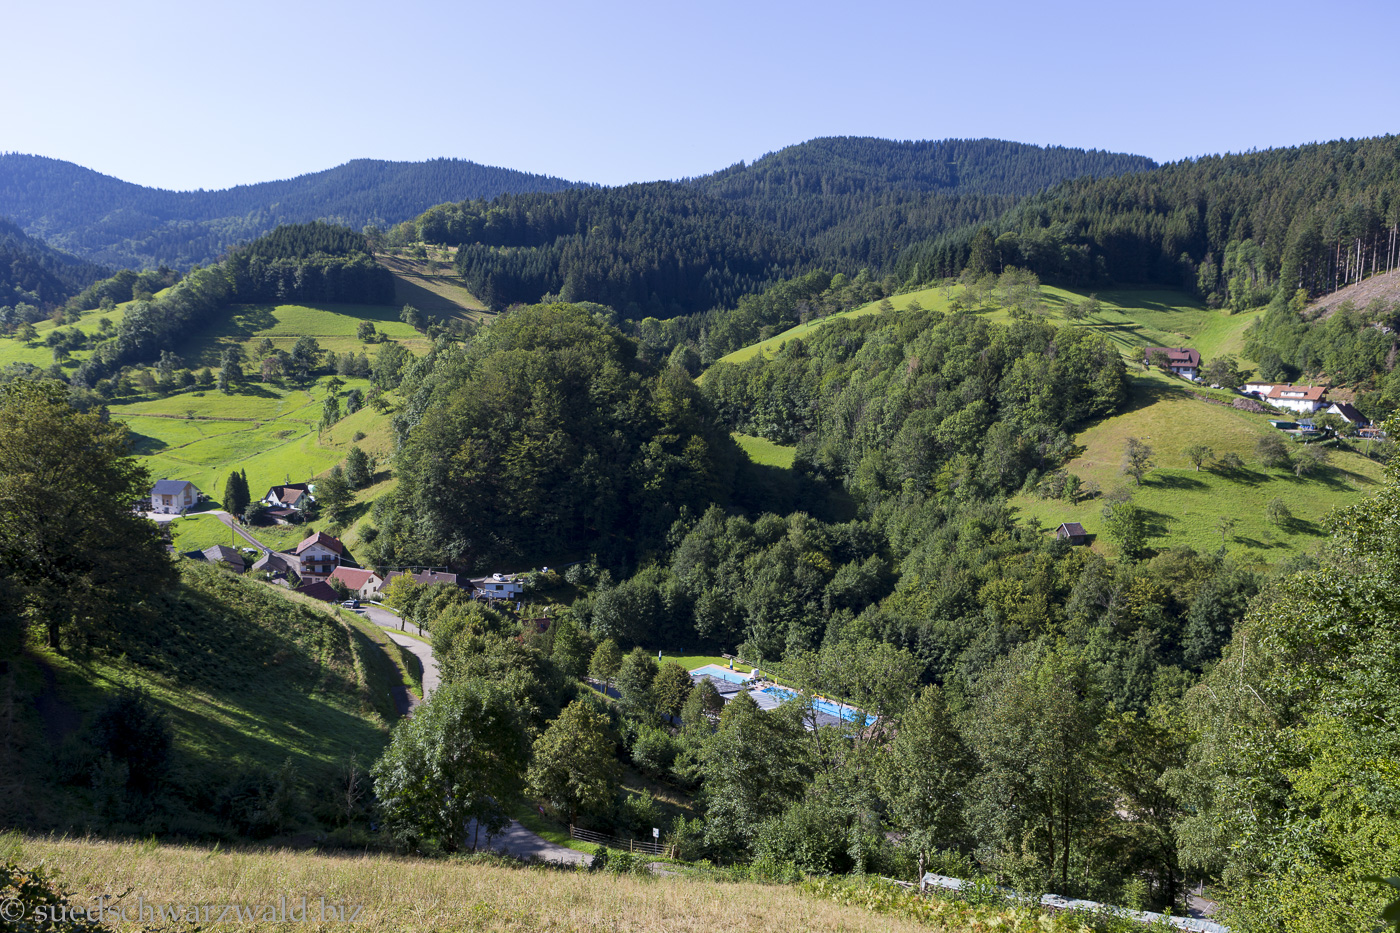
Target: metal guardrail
(614, 842)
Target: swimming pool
(836, 710)
(721, 673)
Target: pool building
(731, 683)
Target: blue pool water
(722, 673)
(843, 713)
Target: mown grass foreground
(401, 894)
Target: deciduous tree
(575, 765)
(70, 540)
(461, 756)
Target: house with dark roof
(320, 590)
(173, 496)
(1073, 532)
(223, 554)
(279, 567)
(295, 496)
(318, 554)
(363, 583)
(1183, 361)
(1348, 414)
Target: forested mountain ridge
(34, 273)
(1235, 229)
(112, 221)
(666, 248)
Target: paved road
(516, 840)
(422, 650)
(227, 519)
(520, 842)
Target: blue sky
(188, 95)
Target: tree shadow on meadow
(1173, 481)
(1244, 476)
(143, 445)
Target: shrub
(259, 802)
(654, 751)
(135, 735)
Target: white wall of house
(318, 563)
(175, 504)
(1300, 405)
(501, 589)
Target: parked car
(351, 604)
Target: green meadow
(266, 430)
(14, 350)
(761, 450)
(1129, 318)
(1185, 506)
(333, 326)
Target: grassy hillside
(765, 452)
(332, 325)
(269, 431)
(248, 677)
(13, 350)
(1186, 506)
(399, 893)
(432, 284)
(1129, 318)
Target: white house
(1303, 399)
(1348, 414)
(363, 583)
(500, 586)
(173, 496)
(319, 554)
(291, 496)
(1183, 361)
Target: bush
(259, 802)
(637, 815)
(135, 735)
(809, 835)
(654, 751)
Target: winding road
(516, 840)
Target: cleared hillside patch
(765, 452)
(332, 325)
(269, 431)
(432, 284)
(1130, 319)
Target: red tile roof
(1301, 393)
(323, 539)
(353, 577)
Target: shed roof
(1073, 529)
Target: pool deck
(728, 689)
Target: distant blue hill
(110, 221)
